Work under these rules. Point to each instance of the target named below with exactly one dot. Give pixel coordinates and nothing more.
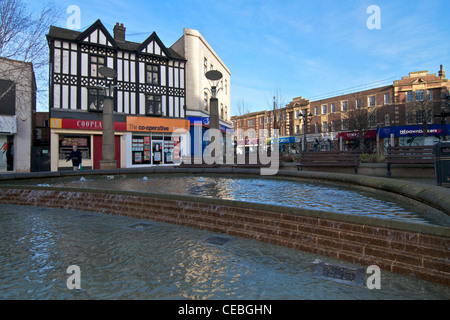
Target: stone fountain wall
(421, 252)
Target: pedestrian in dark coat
(76, 158)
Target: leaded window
(153, 105)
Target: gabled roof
(97, 25)
(66, 34)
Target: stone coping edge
(434, 196)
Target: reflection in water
(162, 261)
(284, 192)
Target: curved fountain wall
(417, 250)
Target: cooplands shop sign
(58, 123)
(159, 125)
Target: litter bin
(442, 164)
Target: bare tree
(22, 38)
(241, 108)
(420, 112)
(359, 118)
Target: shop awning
(351, 135)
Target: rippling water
(274, 191)
(163, 261)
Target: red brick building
(401, 113)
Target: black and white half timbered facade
(148, 93)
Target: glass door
(157, 151)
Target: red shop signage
(84, 124)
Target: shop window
(66, 142)
(155, 149)
(153, 105)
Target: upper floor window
(387, 120)
(152, 74)
(333, 108)
(345, 123)
(205, 101)
(324, 109)
(205, 65)
(419, 95)
(344, 106)
(95, 99)
(429, 95)
(358, 103)
(409, 96)
(386, 98)
(372, 101)
(250, 122)
(153, 105)
(96, 62)
(316, 110)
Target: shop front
(351, 140)
(413, 135)
(155, 141)
(8, 131)
(87, 136)
(199, 128)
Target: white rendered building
(201, 58)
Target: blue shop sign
(405, 131)
(205, 123)
(284, 140)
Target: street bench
(195, 162)
(339, 159)
(409, 155)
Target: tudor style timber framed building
(149, 97)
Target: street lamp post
(306, 118)
(108, 141)
(445, 112)
(214, 77)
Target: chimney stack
(119, 32)
(442, 73)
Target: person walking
(76, 158)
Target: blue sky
(296, 47)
